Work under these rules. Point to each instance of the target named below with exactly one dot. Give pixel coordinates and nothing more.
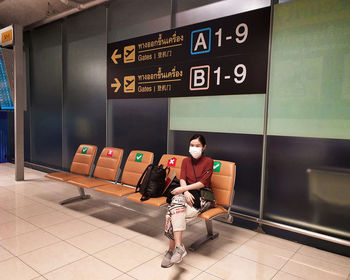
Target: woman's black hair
(200, 137)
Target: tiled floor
(110, 238)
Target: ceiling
(25, 12)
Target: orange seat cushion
(85, 182)
(115, 189)
(211, 213)
(155, 201)
(61, 176)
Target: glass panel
(230, 114)
(308, 173)
(310, 70)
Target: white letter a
(200, 42)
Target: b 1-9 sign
(218, 57)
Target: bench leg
(210, 236)
(82, 196)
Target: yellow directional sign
(129, 84)
(129, 54)
(6, 36)
(115, 56)
(116, 85)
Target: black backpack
(152, 181)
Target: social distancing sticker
(217, 166)
(172, 162)
(139, 157)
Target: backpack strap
(138, 186)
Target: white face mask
(195, 152)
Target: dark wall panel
(45, 92)
(308, 183)
(84, 81)
(244, 150)
(140, 124)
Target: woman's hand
(189, 198)
(178, 190)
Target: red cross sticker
(110, 153)
(172, 162)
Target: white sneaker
(178, 254)
(166, 260)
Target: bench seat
(117, 190)
(212, 213)
(85, 182)
(136, 163)
(154, 201)
(61, 176)
(81, 165)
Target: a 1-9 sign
(240, 73)
(241, 33)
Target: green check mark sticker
(139, 157)
(84, 150)
(217, 166)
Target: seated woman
(196, 172)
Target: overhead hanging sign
(6, 36)
(218, 57)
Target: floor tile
(204, 257)
(225, 244)
(52, 257)
(15, 269)
(85, 269)
(126, 255)
(31, 210)
(232, 232)
(152, 270)
(324, 255)
(4, 192)
(264, 254)
(15, 227)
(315, 269)
(124, 277)
(285, 276)
(70, 229)
(27, 242)
(70, 212)
(206, 276)
(19, 201)
(95, 241)
(49, 219)
(6, 217)
(234, 267)
(4, 254)
(159, 243)
(94, 221)
(277, 242)
(125, 232)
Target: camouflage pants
(178, 214)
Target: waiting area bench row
(107, 170)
